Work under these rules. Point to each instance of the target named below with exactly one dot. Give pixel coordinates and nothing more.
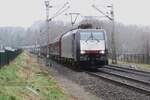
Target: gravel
(98, 87)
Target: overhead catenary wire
(60, 11)
(110, 18)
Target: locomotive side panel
(67, 46)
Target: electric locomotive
(81, 47)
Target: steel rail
(126, 77)
(129, 70)
(127, 84)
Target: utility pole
(48, 19)
(47, 24)
(113, 46)
(148, 48)
(114, 55)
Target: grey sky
(25, 12)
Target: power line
(59, 13)
(60, 10)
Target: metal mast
(114, 57)
(47, 24)
(113, 46)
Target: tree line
(129, 39)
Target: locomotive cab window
(92, 36)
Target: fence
(134, 58)
(7, 55)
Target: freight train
(80, 47)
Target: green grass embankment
(23, 79)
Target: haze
(26, 12)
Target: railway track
(124, 73)
(129, 70)
(134, 79)
(116, 76)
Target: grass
(24, 79)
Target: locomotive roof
(90, 29)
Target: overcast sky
(25, 12)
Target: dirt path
(76, 91)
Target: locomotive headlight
(102, 51)
(82, 52)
